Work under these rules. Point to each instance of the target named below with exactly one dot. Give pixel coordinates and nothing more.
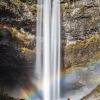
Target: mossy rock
(82, 51)
(28, 54)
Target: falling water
(48, 47)
(55, 48)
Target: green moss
(83, 51)
(93, 95)
(13, 32)
(33, 8)
(27, 53)
(18, 37)
(98, 90)
(65, 7)
(17, 3)
(84, 43)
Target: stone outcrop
(94, 95)
(81, 17)
(17, 44)
(80, 22)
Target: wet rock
(94, 95)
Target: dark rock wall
(17, 44)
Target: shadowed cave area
(17, 47)
(14, 67)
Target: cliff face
(17, 43)
(21, 15)
(81, 17)
(80, 22)
(94, 95)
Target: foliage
(65, 7)
(82, 51)
(27, 53)
(13, 32)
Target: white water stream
(48, 48)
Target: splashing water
(48, 47)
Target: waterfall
(55, 49)
(48, 48)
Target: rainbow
(30, 93)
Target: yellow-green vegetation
(13, 2)
(27, 53)
(65, 7)
(82, 52)
(19, 37)
(93, 95)
(16, 2)
(68, 8)
(91, 39)
(98, 89)
(33, 8)
(13, 32)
